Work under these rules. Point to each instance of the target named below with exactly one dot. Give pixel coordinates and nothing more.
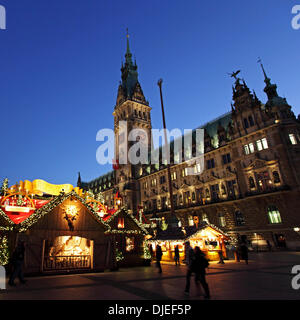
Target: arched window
(276, 177)
(251, 183)
(274, 214)
(239, 218)
(222, 220)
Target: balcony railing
(66, 262)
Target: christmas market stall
(62, 232)
(129, 237)
(210, 239)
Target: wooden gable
(129, 222)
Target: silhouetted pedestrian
(17, 264)
(176, 256)
(198, 266)
(244, 251)
(189, 257)
(158, 258)
(269, 245)
(221, 259)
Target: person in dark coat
(244, 251)
(176, 256)
(17, 264)
(198, 265)
(158, 258)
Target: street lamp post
(159, 83)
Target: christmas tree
(4, 187)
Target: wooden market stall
(210, 239)
(129, 237)
(68, 232)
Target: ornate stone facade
(250, 185)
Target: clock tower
(132, 111)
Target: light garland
(113, 216)
(147, 253)
(4, 251)
(26, 224)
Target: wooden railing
(66, 262)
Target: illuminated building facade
(250, 185)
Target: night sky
(60, 69)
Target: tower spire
(128, 54)
(267, 80)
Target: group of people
(196, 262)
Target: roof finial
(263, 69)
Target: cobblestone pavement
(268, 276)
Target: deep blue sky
(60, 68)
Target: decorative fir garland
(26, 224)
(4, 251)
(113, 216)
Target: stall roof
(180, 233)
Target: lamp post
(159, 83)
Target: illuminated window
(129, 244)
(121, 223)
(153, 182)
(249, 148)
(191, 221)
(262, 144)
(274, 215)
(292, 138)
(222, 220)
(173, 175)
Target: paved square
(267, 277)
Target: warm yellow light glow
(17, 209)
(297, 229)
(71, 211)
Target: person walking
(17, 264)
(176, 256)
(189, 257)
(244, 251)
(198, 265)
(221, 259)
(158, 258)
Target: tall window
(251, 122)
(226, 158)
(173, 175)
(293, 139)
(276, 177)
(251, 183)
(249, 148)
(222, 220)
(246, 124)
(153, 183)
(262, 144)
(274, 215)
(210, 163)
(215, 192)
(239, 218)
(264, 181)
